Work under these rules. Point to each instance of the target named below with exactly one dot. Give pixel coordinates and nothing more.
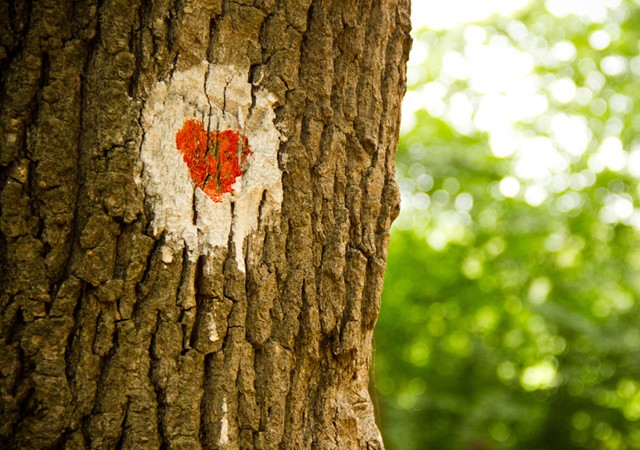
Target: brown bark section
(102, 342)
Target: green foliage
(512, 291)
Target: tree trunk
(196, 197)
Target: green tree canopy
(512, 291)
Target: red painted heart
(214, 158)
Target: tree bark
(142, 308)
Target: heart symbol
(214, 158)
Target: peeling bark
(119, 333)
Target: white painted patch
(211, 328)
(165, 255)
(224, 424)
(219, 96)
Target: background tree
(515, 261)
(196, 198)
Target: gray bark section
(102, 343)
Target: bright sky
(437, 14)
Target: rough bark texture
(105, 339)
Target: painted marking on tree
(214, 158)
(211, 327)
(224, 424)
(190, 190)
